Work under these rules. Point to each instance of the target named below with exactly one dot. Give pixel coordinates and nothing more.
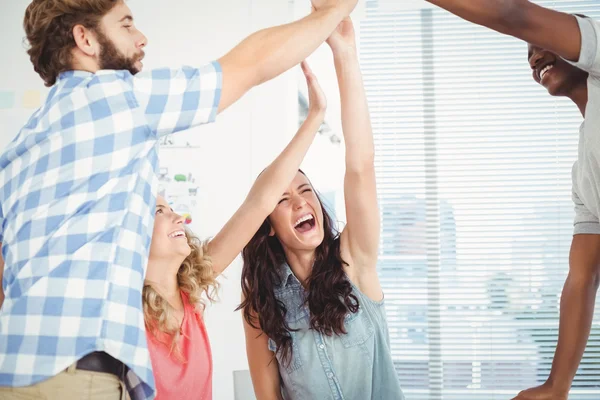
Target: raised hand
(345, 6)
(317, 102)
(542, 392)
(343, 37)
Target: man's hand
(543, 392)
(347, 6)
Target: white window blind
(473, 165)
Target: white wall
(232, 151)
(16, 72)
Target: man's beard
(111, 57)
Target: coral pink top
(188, 375)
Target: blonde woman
(181, 268)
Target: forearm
(356, 122)
(577, 310)
(267, 394)
(554, 31)
(273, 181)
(495, 14)
(272, 51)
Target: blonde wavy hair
(196, 278)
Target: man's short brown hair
(49, 27)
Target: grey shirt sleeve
(585, 221)
(589, 57)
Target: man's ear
(85, 40)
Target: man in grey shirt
(564, 56)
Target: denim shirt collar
(287, 276)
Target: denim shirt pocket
(359, 329)
(292, 364)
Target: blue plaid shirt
(77, 196)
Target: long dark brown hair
(329, 293)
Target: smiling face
(297, 221)
(554, 73)
(169, 240)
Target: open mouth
(305, 223)
(543, 71)
(177, 234)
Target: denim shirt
(354, 366)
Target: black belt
(99, 361)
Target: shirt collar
(287, 276)
(74, 74)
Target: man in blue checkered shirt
(78, 187)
